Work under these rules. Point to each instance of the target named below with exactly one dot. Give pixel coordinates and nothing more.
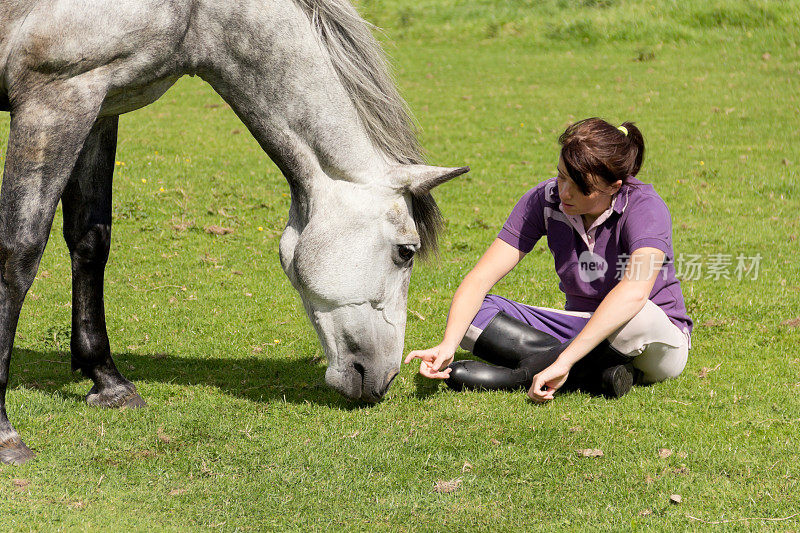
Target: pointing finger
(419, 354)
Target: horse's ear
(420, 179)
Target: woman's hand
(547, 382)
(432, 360)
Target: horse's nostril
(360, 369)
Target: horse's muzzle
(358, 382)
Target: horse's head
(348, 249)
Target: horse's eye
(406, 252)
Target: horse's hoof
(123, 397)
(14, 452)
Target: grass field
(241, 432)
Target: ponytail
(636, 140)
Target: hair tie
(623, 129)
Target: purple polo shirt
(590, 263)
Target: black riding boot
(506, 341)
(517, 350)
(479, 375)
(602, 371)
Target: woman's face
(574, 202)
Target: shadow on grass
(255, 379)
(424, 387)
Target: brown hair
(595, 151)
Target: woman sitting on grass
(610, 236)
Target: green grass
(241, 431)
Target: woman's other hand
(432, 361)
(547, 382)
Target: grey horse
(308, 80)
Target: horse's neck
(267, 62)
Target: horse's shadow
(258, 379)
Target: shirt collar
(577, 222)
(551, 191)
(620, 201)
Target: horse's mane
(363, 69)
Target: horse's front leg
(87, 230)
(47, 133)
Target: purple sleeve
(525, 224)
(648, 224)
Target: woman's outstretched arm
(619, 306)
(496, 262)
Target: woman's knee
(660, 362)
(492, 303)
(650, 325)
(489, 308)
